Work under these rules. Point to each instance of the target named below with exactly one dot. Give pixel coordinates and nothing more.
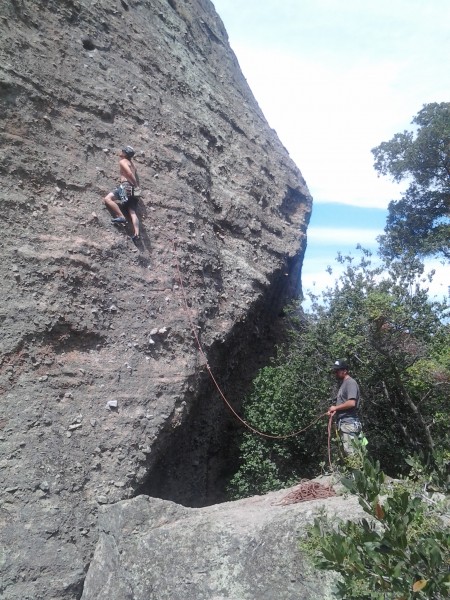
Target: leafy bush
(280, 403)
(400, 552)
(397, 342)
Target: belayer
(345, 411)
(124, 196)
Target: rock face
(245, 550)
(104, 391)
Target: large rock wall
(89, 318)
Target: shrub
(400, 552)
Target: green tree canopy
(419, 223)
(397, 342)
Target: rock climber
(125, 196)
(345, 411)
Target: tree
(397, 343)
(385, 325)
(419, 223)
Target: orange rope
(305, 491)
(242, 421)
(330, 420)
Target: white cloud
(329, 120)
(343, 235)
(439, 287)
(317, 282)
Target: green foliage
(281, 402)
(397, 342)
(435, 471)
(400, 551)
(419, 223)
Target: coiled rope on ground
(307, 490)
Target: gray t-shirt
(349, 390)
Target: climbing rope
(305, 491)
(240, 419)
(330, 420)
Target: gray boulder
(243, 550)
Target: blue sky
(335, 78)
(332, 228)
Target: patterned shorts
(124, 195)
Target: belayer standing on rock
(345, 410)
(124, 196)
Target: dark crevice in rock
(210, 33)
(76, 588)
(60, 337)
(227, 118)
(291, 201)
(88, 44)
(197, 456)
(64, 337)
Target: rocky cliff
(104, 392)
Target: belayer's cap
(128, 151)
(340, 364)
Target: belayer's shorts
(349, 431)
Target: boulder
(243, 550)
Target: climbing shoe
(119, 220)
(136, 239)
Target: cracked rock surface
(104, 392)
(243, 550)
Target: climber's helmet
(128, 151)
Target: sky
(335, 78)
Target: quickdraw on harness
(126, 191)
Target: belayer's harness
(349, 421)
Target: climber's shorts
(124, 195)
